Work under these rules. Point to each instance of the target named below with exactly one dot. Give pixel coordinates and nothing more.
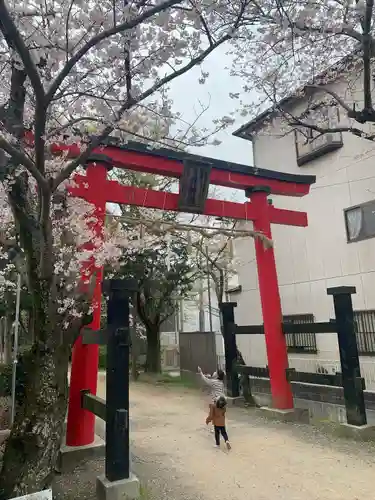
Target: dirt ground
(175, 458)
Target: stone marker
(40, 495)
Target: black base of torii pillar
(350, 366)
(230, 347)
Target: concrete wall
(309, 260)
(323, 402)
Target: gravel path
(174, 454)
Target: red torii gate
(257, 183)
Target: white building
(337, 247)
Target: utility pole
(226, 286)
(209, 289)
(201, 301)
(15, 347)
(182, 315)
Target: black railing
(253, 371)
(304, 342)
(342, 325)
(94, 404)
(294, 376)
(364, 324)
(334, 379)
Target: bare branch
(331, 93)
(345, 30)
(295, 122)
(204, 24)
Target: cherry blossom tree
(296, 51)
(159, 279)
(66, 65)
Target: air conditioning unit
(329, 368)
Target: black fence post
(350, 367)
(117, 464)
(230, 347)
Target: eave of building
(249, 129)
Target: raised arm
(205, 379)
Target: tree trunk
(153, 361)
(135, 372)
(33, 445)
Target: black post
(227, 315)
(350, 367)
(117, 463)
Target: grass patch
(144, 493)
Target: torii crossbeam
(257, 184)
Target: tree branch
(331, 93)
(22, 159)
(204, 24)
(346, 30)
(15, 41)
(81, 160)
(127, 25)
(142, 313)
(321, 130)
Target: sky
(187, 94)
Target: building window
(300, 342)
(311, 144)
(364, 324)
(360, 222)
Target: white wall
(191, 314)
(309, 260)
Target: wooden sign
(194, 184)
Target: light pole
(209, 289)
(15, 347)
(3, 325)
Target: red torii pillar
(277, 355)
(84, 375)
(96, 188)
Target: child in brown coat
(217, 417)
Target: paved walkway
(174, 453)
